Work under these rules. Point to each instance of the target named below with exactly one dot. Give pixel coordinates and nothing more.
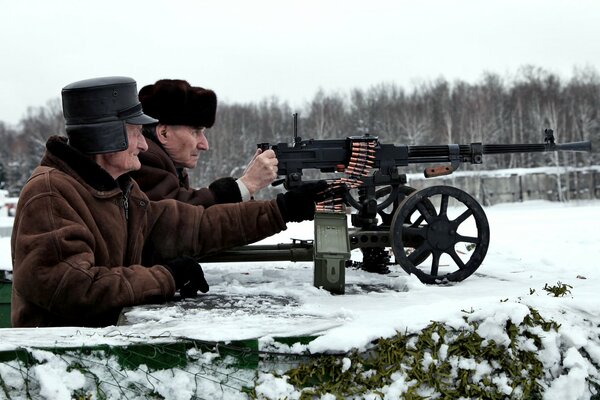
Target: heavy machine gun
(440, 233)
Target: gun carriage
(440, 233)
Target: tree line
(493, 110)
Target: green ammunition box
(331, 251)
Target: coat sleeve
(158, 179)
(202, 231)
(54, 265)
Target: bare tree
(326, 116)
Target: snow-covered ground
(533, 244)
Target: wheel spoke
(415, 255)
(435, 263)
(444, 204)
(456, 259)
(468, 239)
(424, 211)
(418, 221)
(462, 217)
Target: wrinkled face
(182, 143)
(121, 162)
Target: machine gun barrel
(469, 153)
(585, 146)
(514, 148)
(355, 152)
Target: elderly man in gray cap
(82, 224)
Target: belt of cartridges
(359, 165)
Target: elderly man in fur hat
(184, 112)
(82, 224)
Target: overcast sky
(248, 50)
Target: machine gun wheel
(455, 239)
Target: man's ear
(162, 133)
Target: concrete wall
(500, 187)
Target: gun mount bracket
(364, 239)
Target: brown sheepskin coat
(79, 235)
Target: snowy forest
(495, 109)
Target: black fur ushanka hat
(176, 102)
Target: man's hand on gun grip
(261, 171)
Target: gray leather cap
(96, 111)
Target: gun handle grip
(438, 171)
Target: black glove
(188, 276)
(298, 204)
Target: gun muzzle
(575, 146)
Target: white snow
(532, 244)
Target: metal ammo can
(331, 251)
